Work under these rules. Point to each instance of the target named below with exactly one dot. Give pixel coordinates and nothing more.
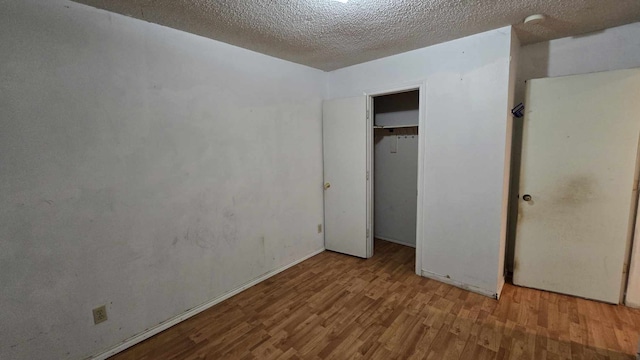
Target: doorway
(350, 130)
(394, 150)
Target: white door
(579, 154)
(344, 134)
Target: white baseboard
(500, 287)
(194, 311)
(635, 305)
(399, 242)
(446, 280)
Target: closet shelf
(393, 126)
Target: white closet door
(344, 127)
(578, 165)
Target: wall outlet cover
(100, 314)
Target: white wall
(396, 177)
(397, 118)
(143, 168)
(610, 49)
(464, 159)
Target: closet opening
(394, 168)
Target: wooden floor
(334, 306)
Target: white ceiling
(328, 35)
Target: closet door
(344, 133)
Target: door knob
(327, 185)
(526, 197)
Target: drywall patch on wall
(143, 168)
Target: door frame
(634, 222)
(421, 86)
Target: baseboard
(194, 311)
(399, 242)
(500, 287)
(634, 305)
(446, 280)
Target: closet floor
(334, 306)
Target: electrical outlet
(100, 314)
(319, 228)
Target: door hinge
(367, 175)
(367, 114)
(367, 233)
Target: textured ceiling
(328, 35)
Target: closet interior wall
(396, 167)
